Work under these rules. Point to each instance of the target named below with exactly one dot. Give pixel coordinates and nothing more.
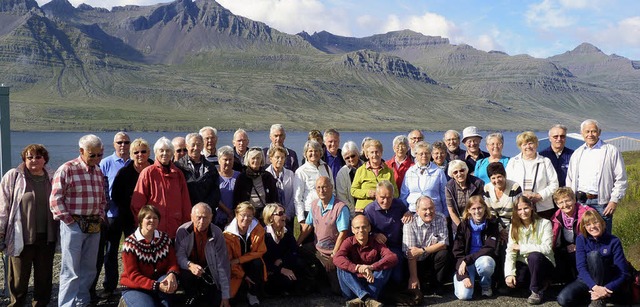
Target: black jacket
(462, 244)
(205, 188)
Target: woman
(439, 157)
(401, 160)
(459, 189)
(529, 251)
(28, 233)
(363, 188)
(164, 186)
(474, 247)
(149, 263)
(501, 194)
(534, 173)
(424, 178)
(227, 183)
(255, 185)
(315, 135)
(345, 176)
(306, 176)
(566, 222)
(282, 260)
(125, 182)
(495, 143)
(284, 181)
(602, 266)
(245, 242)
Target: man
(180, 146)
(210, 137)
(201, 175)
(597, 172)
(332, 153)
(202, 257)
(452, 140)
(363, 265)
(471, 139)
(414, 137)
(111, 232)
(329, 220)
(558, 153)
(78, 200)
(387, 215)
(277, 136)
(425, 245)
(240, 146)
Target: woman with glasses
(401, 160)
(246, 246)
(306, 176)
(495, 143)
(459, 189)
(284, 181)
(345, 175)
(439, 157)
(424, 178)
(255, 185)
(28, 232)
(363, 188)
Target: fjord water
(63, 146)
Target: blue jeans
(352, 286)
(593, 203)
(484, 267)
(78, 265)
(145, 298)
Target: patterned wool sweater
(144, 262)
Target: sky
(540, 28)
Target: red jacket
(143, 262)
(400, 170)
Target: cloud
(427, 24)
(107, 3)
(623, 35)
(550, 14)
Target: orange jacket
(258, 248)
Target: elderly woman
(316, 135)
(363, 188)
(285, 180)
(529, 259)
(255, 185)
(495, 143)
(28, 232)
(306, 176)
(534, 173)
(246, 246)
(401, 160)
(125, 182)
(163, 185)
(345, 176)
(424, 178)
(283, 263)
(459, 189)
(200, 174)
(227, 184)
(149, 263)
(439, 157)
(474, 246)
(602, 266)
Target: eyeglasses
(123, 142)
(559, 136)
(181, 150)
(458, 171)
(279, 213)
(142, 152)
(350, 157)
(37, 157)
(91, 156)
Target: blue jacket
(560, 164)
(610, 248)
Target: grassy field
(627, 216)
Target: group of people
(218, 223)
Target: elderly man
(425, 245)
(471, 139)
(387, 215)
(210, 138)
(201, 175)
(180, 145)
(558, 153)
(202, 257)
(597, 172)
(332, 153)
(277, 136)
(363, 265)
(414, 137)
(112, 233)
(78, 200)
(240, 146)
(329, 220)
(451, 138)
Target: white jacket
(546, 180)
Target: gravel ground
(319, 299)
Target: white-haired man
(277, 136)
(240, 147)
(558, 153)
(210, 137)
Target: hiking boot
(535, 298)
(356, 302)
(487, 292)
(253, 300)
(372, 303)
(598, 303)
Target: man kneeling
(364, 266)
(203, 260)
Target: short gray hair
(240, 131)
(313, 144)
(329, 132)
(191, 136)
(90, 141)
(252, 153)
(455, 165)
(400, 139)
(225, 151)
(206, 128)
(590, 122)
(423, 197)
(385, 184)
(161, 143)
(439, 145)
(421, 144)
(276, 127)
(202, 205)
(496, 135)
(349, 146)
(456, 133)
(559, 126)
(120, 133)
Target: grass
(625, 223)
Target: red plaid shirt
(77, 189)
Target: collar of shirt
(329, 205)
(140, 237)
(422, 223)
(382, 166)
(598, 145)
(84, 165)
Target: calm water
(63, 146)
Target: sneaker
(356, 302)
(535, 298)
(598, 303)
(487, 292)
(372, 303)
(253, 300)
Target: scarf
(567, 220)
(476, 235)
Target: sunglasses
(123, 142)
(140, 152)
(350, 157)
(458, 171)
(38, 157)
(279, 213)
(91, 156)
(181, 150)
(255, 148)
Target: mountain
(185, 64)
